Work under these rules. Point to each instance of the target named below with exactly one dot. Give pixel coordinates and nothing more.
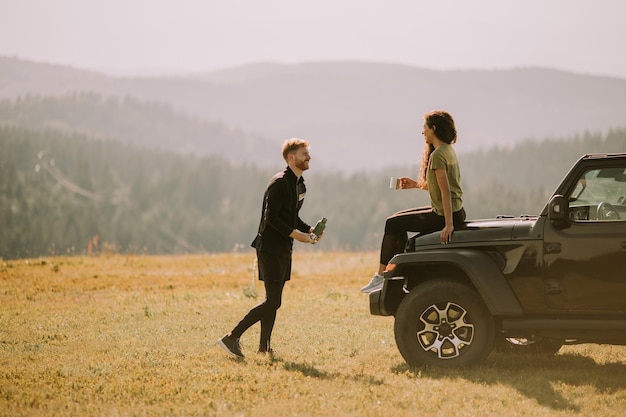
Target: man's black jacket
(279, 217)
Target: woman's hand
(446, 234)
(406, 183)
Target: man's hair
(292, 145)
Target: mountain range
(357, 115)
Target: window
(599, 195)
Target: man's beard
(302, 165)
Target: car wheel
(528, 346)
(443, 323)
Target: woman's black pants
(421, 220)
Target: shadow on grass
(534, 376)
(309, 370)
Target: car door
(585, 262)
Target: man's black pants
(274, 271)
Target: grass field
(136, 336)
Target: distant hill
(143, 124)
(358, 115)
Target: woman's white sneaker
(375, 284)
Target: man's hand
(316, 238)
(304, 237)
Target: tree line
(65, 192)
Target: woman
(440, 176)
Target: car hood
(486, 230)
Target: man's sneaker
(265, 348)
(269, 352)
(375, 284)
(231, 346)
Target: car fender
(480, 267)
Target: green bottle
(319, 226)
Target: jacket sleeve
(275, 199)
(300, 224)
(303, 226)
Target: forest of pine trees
(69, 193)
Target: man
(280, 225)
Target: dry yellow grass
(135, 336)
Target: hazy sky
(182, 36)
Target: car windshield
(600, 191)
(601, 185)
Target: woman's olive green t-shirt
(444, 157)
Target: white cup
(394, 183)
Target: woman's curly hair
(445, 130)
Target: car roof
(604, 155)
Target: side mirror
(557, 210)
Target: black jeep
(528, 283)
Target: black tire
(530, 347)
(443, 323)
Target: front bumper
(375, 303)
(385, 302)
